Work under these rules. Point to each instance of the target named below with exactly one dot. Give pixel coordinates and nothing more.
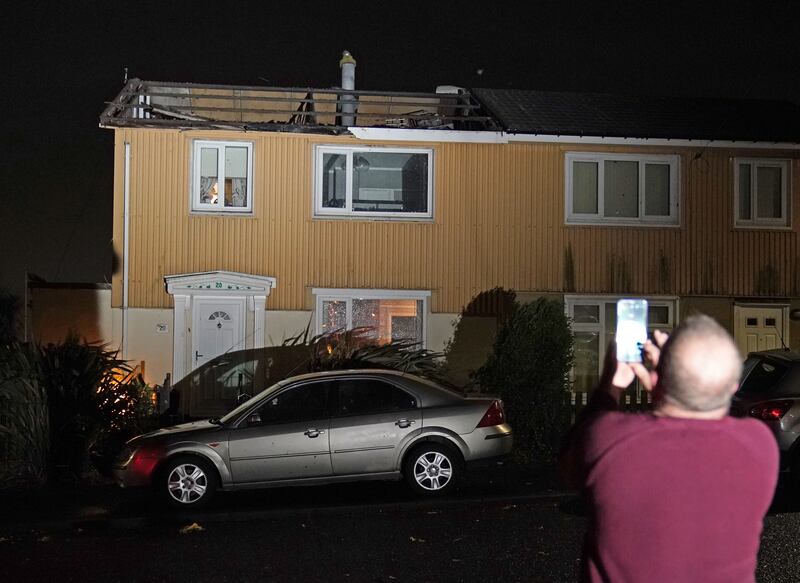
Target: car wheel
(188, 482)
(432, 469)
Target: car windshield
(760, 375)
(228, 417)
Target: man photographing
(678, 494)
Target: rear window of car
(365, 396)
(760, 375)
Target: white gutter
(489, 137)
(126, 196)
(613, 141)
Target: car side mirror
(254, 419)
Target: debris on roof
(513, 111)
(189, 105)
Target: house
(244, 214)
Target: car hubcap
(187, 483)
(433, 470)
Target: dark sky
(63, 60)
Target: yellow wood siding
(498, 221)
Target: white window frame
(195, 206)
(672, 220)
(762, 223)
(671, 302)
(347, 211)
(348, 295)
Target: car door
(286, 437)
(371, 419)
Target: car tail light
(494, 415)
(770, 411)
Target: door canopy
(216, 283)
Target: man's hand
(646, 372)
(617, 376)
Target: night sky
(63, 60)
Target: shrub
(24, 423)
(91, 398)
(529, 369)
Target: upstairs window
(373, 182)
(621, 189)
(222, 177)
(761, 187)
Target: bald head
(699, 368)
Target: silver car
(320, 428)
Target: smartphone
(631, 329)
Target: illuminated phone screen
(631, 329)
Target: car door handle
(312, 433)
(404, 422)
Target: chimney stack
(348, 66)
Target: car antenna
(786, 348)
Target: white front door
(760, 328)
(217, 327)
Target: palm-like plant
(90, 395)
(24, 422)
(59, 401)
(357, 349)
(9, 316)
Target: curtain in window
(207, 187)
(239, 192)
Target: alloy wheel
(187, 483)
(433, 470)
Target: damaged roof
(513, 111)
(607, 115)
(192, 105)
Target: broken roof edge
(329, 90)
(158, 104)
(489, 127)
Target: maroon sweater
(678, 500)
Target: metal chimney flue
(348, 66)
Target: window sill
(393, 219)
(642, 225)
(240, 214)
(763, 228)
